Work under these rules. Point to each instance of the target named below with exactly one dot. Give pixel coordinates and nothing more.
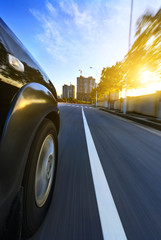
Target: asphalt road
(130, 156)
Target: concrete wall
(102, 103)
(159, 105)
(117, 104)
(147, 104)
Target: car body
(27, 97)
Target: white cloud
(68, 24)
(50, 7)
(63, 36)
(89, 33)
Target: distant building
(68, 91)
(84, 88)
(72, 91)
(65, 91)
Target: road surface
(108, 182)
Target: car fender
(30, 106)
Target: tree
(145, 53)
(93, 95)
(111, 80)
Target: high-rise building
(68, 91)
(72, 91)
(84, 88)
(65, 91)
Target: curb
(135, 119)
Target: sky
(66, 36)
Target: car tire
(39, 177)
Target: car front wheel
(39, 177)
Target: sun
(150, 83)
(146, 76)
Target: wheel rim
(44, 171)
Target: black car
(29, 125)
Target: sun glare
(146, 76)
(150, 82)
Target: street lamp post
(95, 83)
(125, 102)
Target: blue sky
(67, 35)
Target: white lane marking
(112, 228)
(72, 105)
